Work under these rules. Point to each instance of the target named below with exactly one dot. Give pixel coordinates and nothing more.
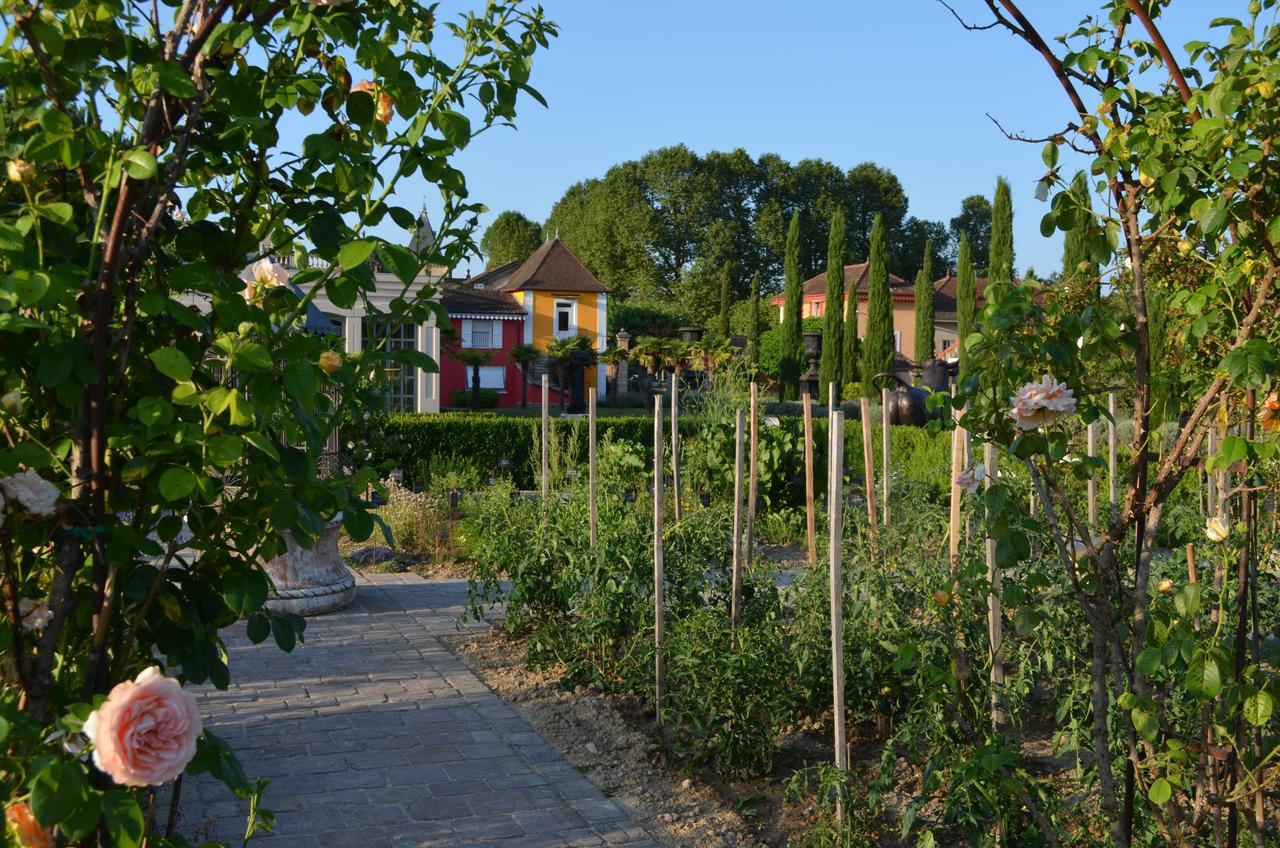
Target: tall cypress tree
(724, 301)
(850, 365)
(830, 369)
(877, 347)
(791, 360)
(753, 329)
(1077, 261)
(966, 297)
(1000, 267)
(924, 307)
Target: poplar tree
(791, 361)
(1000, 266)
(877, 347)
(724, 302)
(830, 369)
(966, 298)
(753, 329)
(924, 307)
(1077, 260)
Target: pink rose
(265, 275)
(1037, 404)
(145, 733)
(971, 478)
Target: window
(897, 340)
(486, 335)
(493, 377)
(387, 335)
(566, 319)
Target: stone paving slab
(374, 734)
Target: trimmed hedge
(417, 443)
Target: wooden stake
(591, 469)
(810, 513)
(1091, 447)
(868, 463)
(953, 531)
(1112, 443)
(735, 603)
(995, 609)
(675, 446)
(753, 476)
(546, 437)
(884, 457)
(659, 575)
(835, 541)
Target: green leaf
(240, 408)
(258, 627)
(1187, 600)
(1050, 154)
(1145, 722)
(173, 363)
(245, 591)
(262, 443)
(174, 80)
(225, 450)
(1160, 792)
(139, 163)
(1149, 661)
(177, 483)
(123, 818)
(354, 253)
(455, 127)
(59, 213)
(1258, 708)
(57, 791)
(286, 638)
(1203, 678)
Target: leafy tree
(791, 359)
(877, 347)
(524, 355)
(1077, 258)
(974, 222)
(924, 308)
(873, 192)
(510, 238)
(831, 370)
(1000, 266)
(725, 296)
(473, 359)
(753, 328)
(908, 243)
(966, 300)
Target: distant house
(548, 296)
(903, 297)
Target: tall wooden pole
(810, 512)
(735, 604)
(995, 609)
(868, 462)
(591, 469)
(884, 457)
(659, 574)
(835, 542)
(546, 437)
(1091, 447)
(675, 445)
(753, 477)
(1112, 443)
(953, 532)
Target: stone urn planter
(311, 582)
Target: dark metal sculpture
(908, 404)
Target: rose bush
(162, 413)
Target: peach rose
(330, 361)
(1037, 404)
(382, 111)
(145, 733)
(264, 274)
(24, 828)
(1270, 416)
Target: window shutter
(466, 332)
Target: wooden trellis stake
(735, 607)
(995, 608)
(659, 575)
(868, 461)
(810, 512)
(1091, 447)
(753, 476)
(953, 532)
(835, 540)
(591, 469)
(546, 437)
(675, 445)
(884, 455)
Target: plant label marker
(753, 476)
(659, 576)
(675, 446)
(835, 541)
(868, 461)
(735, 609)
(591, 469)
(884, 459)
(546, 437)
(810, 512)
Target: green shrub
(461, 398)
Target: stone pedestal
(311, 582)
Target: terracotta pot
(311, 582)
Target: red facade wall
(454, 375)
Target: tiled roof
(854, 275)
(465, 299)
(553, 267)
(944, 297)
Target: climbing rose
(20, 171)
(1216, 529)
(330, 361)
(11, 402)
(383, 100)
(145, 733)
(1270, 416)
(971, 478)
(31, 491)
(36, 615)
(1037, 404)
(24, 828)
(265, 275)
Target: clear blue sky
(898, 83)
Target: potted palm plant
(524, 355)
(474, 359)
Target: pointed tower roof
(423, 236)
(553, 267)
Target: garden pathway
(374, 734)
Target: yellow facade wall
(544, 313)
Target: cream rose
(145, 733)
(11, 402)
(971, 478)
(20, 171)
(264, 275)
(1216, 529)
(1037, 404)
(330, 361)
(30, 490)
